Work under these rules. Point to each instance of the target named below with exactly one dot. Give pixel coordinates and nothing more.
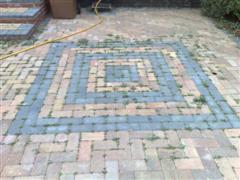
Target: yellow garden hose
(59, 38)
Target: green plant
(200, 100)
(153, 137)
(82, 41)
(229, 25)
(117, 140)
(179, 86)
(217, 157)
(226, 13)
(221, 8)
(205, 84)
(180, 146)
(237, 101)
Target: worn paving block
(90, 176)
(75, 167)
(17, 170)
(154, 175)
(191, 163)
(112, 170)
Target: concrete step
(19, 18)
(21, 3)
(21, 14)
(16, 30)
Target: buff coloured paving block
(30, 178)
(19, 146)
(184, 174)
(191, 152)
(53, 171)
(152, 161)
(154, 175)
(126, 175)
(118, 154)
(112, 170)
(221, 138)
(67, 177)
(168, 164)
(57, 157)
(206, 173)
(29, 153)
(90, 176)
(140, 134)
(137, 149)
(189, 134)
(224, 151)
(225, 168)
(97, 163)
(61, 138)
(9, 158)
(123, 139)
(172, 137)
(200, 142)
(52, 147)
(207, 159)
(16, 170)
(158, 143)
(92, 136)
(232, 132)
(237, 171)
(140, 165)
(84, 153)
(234, 162)
(192, 163)
(9, 139)
(170, 174)
(75, 167)
(134, 165)
(40, 164)
(42, 138)
(104, 145)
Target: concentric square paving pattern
(120, 76)
(121, 86)
(121, 73)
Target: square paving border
(168, 89)
(118, 73)
(216, 114)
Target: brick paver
(161, 78)
(166, 107)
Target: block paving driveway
(156, 97)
